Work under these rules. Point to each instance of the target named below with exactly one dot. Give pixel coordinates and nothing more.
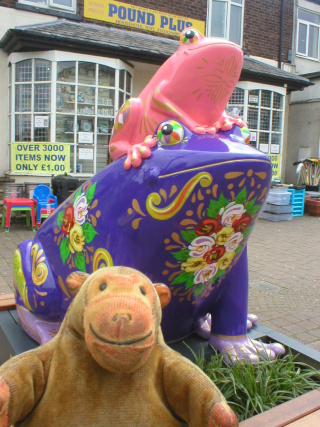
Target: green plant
(254, 388)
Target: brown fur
(109, 365)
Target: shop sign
(141, 18)
(276, 165)
(40, 158)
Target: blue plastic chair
(45, 202)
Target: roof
(126, 45)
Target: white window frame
(54, 57)
(229, 3)
(49, 4)
(308, 24)
(249, 86)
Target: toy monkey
(109, 365)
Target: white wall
(142, 75)
(11, 18)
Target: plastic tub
(278, 197)
(278, 209)
(276, 217)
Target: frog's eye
(190, 36)
(170, 132)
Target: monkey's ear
(75, 280)
(164, 293)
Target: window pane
(121, 79)
(42, 134)
(66, 3)
(309, 16)
(235, 24)
(65, 98)
(128, 82)
(65, 128)
(277, 121)
(24, 71)
(264, 119)
(237, 1)
(66, 71)
(302, 39)
(277, 98)
(253, 97)
(23, 97)
(105, 102)
(42, 98)
(218, 18)
(263, 138)
(43, 70)
(87, 73)
(313, 41)
(237, 97)
(106, 76)
(265, 98)
(86, 100)
(23, 127)
(252, 118)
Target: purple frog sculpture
(178, 205)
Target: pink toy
(203, 71)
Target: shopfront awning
(126, 45)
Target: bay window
(66, 98)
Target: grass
(251, 389)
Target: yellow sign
(141, 18)
(276, 165)
(40, 157)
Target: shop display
(182, 215)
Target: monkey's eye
(190, 36)
(142, 290)
(170, 132)
(103, 286)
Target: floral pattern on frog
(76, 228)
(211, 246)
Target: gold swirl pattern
(39, 268)
(19, 280)
(162, 214)
(102, 258)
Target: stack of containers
(297, 199)
(277, 206)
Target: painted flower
(225, 261)
(214, 254)
(205, 274)
(242, 223)
(231, 213)
(233, 242)
(208, 227)
(200, 246)
(80, 209)
(193, 264)
(76, 239)
(68, 220)
(224, 235)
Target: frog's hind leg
(35, 291)
(229, 322)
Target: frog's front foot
(202, 130)
(243, 349)
(203, 327)
(137, 152)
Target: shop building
(70, 65)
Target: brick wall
(262, 28)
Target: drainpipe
(281, 33)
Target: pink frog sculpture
(178, 204)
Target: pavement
(284, 274)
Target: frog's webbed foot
(204, 325)
(137, 152)
(251, 320)
(202, 130)
(243, 349)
